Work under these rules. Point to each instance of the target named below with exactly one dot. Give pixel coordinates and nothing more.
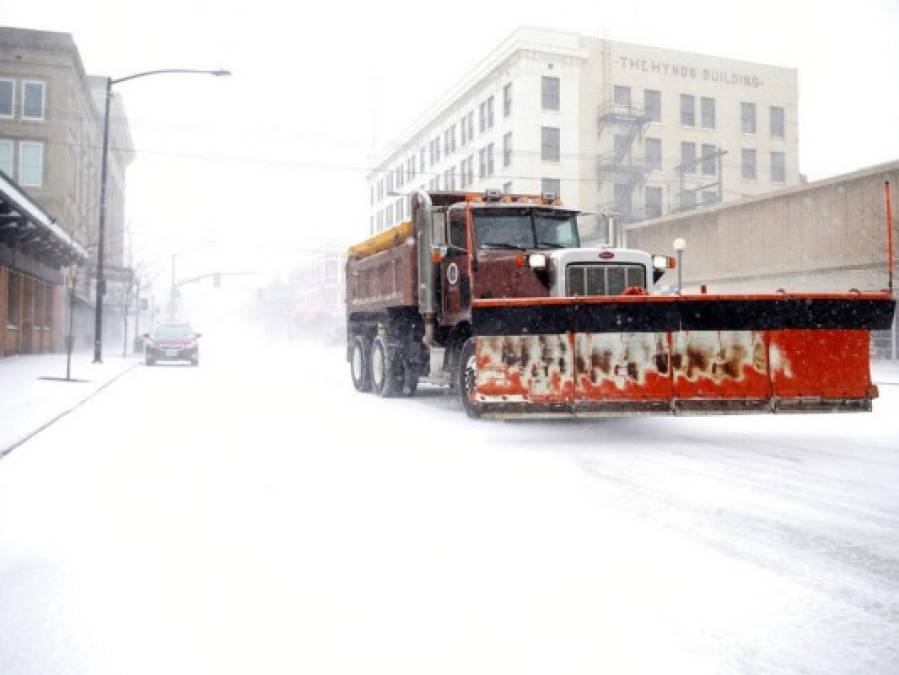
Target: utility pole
(101, 234)
(136, 311)
(172, 298)
(71, 278)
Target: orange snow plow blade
(699, 354)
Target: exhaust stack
(423, 234)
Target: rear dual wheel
(390, 375)
(359, 364)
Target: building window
(652, 104)
(450, 140)
(490, 167)
(777, 121)
(399, 176)
(389, 216)
(507, 149)
(467, 171)
(31, 164)
(463, 131)
(549, 144)
(507, 188)
(482, 117)
(7, 98)
(482, 163)
(687, 110)
(623, 204)
(621, 145)
(748, 164)
(450, 178)
(778, 167)
(688, 199)
(421, 159)
(688, 157)
(507, 100)
(553, 185)
(471, 126)
(707, 112)
(6, 152)
(490, 112)
(653, 202)
(747, 118)
(371, 224)
(653, 149)
(410, 167)
(371, 190)
(12, 299)
(709, 197)
(399, 208)
(622, 97)
(389, 186)
(549, 93)
(708, 160)
(33, 100)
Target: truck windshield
(521, 228)
(555, 229)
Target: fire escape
(623, 123)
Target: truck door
(454, 280)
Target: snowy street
(257, 515)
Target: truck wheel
(467, 377)
(386, 369)
(360, 364)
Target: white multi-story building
(615, 128)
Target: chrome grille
(602, 278)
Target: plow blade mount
(680, 355)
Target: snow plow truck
(492, 294)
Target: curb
(6, 451)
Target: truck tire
(387, 372)
(360, 364)
(466, 378)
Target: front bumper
(172, 353)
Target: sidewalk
(27, 402)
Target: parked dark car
(172, 342)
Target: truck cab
(524, 246)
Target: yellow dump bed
(382, 241)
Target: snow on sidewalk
(28, 402)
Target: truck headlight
(537, 261)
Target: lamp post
(680, 245)
(101, 230)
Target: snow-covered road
(259, 516)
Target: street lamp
(680, 245)
(101, 233)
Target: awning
(25, 225)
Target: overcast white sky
(275, 157)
